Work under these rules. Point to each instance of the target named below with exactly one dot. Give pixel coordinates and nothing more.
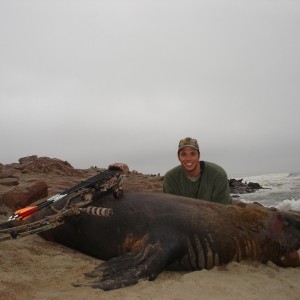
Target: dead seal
(149, 232)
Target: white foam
(289, 204)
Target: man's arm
(221, 193)
(169, 185)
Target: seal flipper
(127, 269)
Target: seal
(149, 232)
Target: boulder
(9, 181)
(25, 193)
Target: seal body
(149, 232)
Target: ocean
(281, 190)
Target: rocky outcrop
(35, 178)
(237, 186)
(34, 164)
(135, 181)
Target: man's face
(189, 159)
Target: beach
(32, 268)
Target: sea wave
(280, 190)
(294, 175)
(289, 204)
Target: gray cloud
(94, 82)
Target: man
(195, 178)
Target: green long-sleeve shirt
(212, 184)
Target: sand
(32, 268)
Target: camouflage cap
(188, 142)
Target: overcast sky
(96, 82)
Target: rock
(7, 173)
(34, 164)
(254, 185)
(9, 181)
(237, 186)
(135, 181)
(25, 194)
(24, 160)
